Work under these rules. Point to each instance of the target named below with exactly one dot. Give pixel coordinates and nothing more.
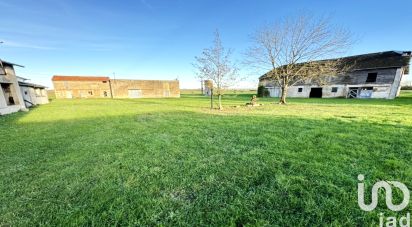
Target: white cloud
(26, 45)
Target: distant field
(176, 162)
(198, 91)
(52, 95)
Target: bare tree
(215, 64)
(289, 51)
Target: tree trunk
(282, 99)
(220, 102)
(211, 99)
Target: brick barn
(103, 87)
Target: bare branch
(290, 50)
(215, 64)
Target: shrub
(262, 92)
(406, 88)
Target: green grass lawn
(175, 162)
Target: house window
(300, 89)
(105, 93)
(104, 82)
(334, 89)
(371, 77)
(90, 92)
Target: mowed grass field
(175, 162)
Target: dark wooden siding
(385, 76)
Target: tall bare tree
(289, 51)
(215, 64)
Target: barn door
(274, 91)
(353, 93)
(366, 92)
(135, 93)
(27, 97)
(69, 95)
(315, 92)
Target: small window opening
(90, 92)
(334, 89)
(300, 89)
(371, 77)
(8, 94)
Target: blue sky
(158, 39)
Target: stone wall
(82, 89)
(117, 88)
(145, 88)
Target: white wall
(15, 86)
(379, 90)
(3, 103)
(35, 97)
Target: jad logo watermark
(387, 187)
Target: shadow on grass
(186, 168)
(404, 99)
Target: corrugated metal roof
(80, 78)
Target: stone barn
(81, 87)
(145, 88)
(104, 87)
(375, 75)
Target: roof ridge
(79, 78)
